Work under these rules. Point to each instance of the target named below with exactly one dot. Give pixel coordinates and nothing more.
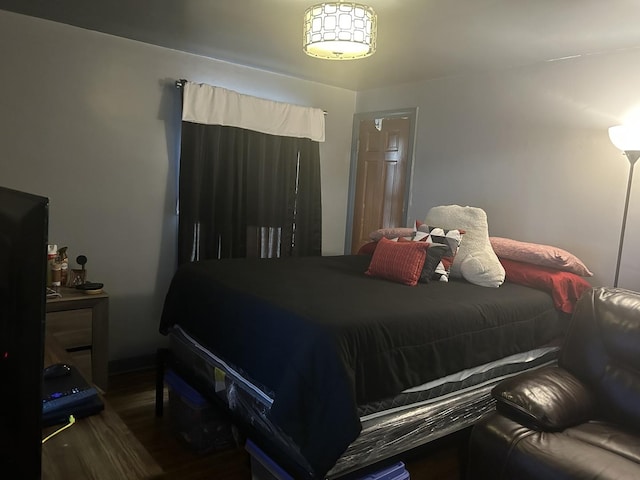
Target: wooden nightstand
(80, 324)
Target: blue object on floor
(262, 467)
(394, 472)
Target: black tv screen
(24, 220)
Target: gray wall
(530, 146)
(92, 122)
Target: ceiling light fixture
(339, 31)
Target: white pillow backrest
(483, 266)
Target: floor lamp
(627, 139)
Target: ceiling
(417, 39)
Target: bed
(338, 370)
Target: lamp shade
(339, 31)
(625, 137)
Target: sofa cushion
(501, 448)
(546, 399)
(608, 436)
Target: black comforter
(324, 337)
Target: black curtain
(236, 185)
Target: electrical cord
(72, 420)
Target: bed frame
(261, 328)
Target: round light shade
(625, 137)
(339, 31)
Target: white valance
(218, 106)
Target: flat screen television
(24, 220)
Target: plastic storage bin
(197, 423)
(264, 468)
(394, 472)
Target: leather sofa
(579, 419)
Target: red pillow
(399, 262)
(368, 248)
(565, 287)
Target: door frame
(412, 115)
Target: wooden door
(381, 177)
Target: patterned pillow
(435, 252)
(391, 232)
(450, 238)
(398, 262)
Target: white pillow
(475, 261)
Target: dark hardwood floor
(132, 395)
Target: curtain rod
(180, 83)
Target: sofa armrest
(548, 399)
